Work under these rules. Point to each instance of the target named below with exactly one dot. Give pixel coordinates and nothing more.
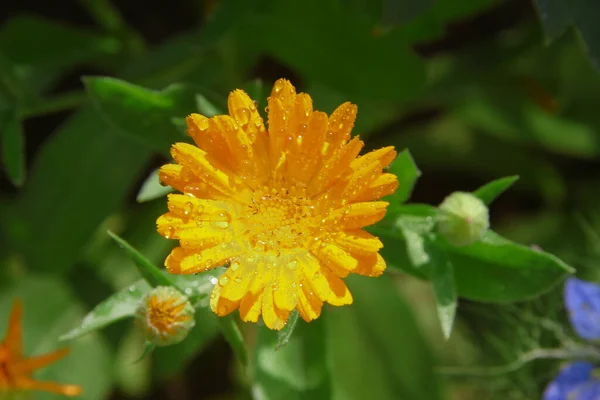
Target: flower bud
(165, 315)
(462, 219)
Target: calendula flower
(16, 369)
(165, 315)
(283, 208)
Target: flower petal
(251, 306)
(309, 305)
(582, 300)
(341, 123)
(195, 158)
(273, 317)
(568, 380)
(384, 185)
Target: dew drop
(293, 264)
(213, 280)
(238, 279)
(278, 86)
(132, 289)
(202, 123)
(213, 295)
(242, 116)
(223, 280)
(234, 266)
(221, 224)
(188, 291)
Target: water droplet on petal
(223, 280)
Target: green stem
(578, 353)
(233, 335)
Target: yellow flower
(284, 208)
(16, 370)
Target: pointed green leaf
(490, 191)
(13, 147)
(406, 170)
(149, 271)
(142, 114)
(120, 305)
(442, 279)
(152, 188)
(233, 335)
(283, 336)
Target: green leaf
(558, 15)
(389, 70)
(13, 147)
(50, 308)
(82, 178)
(400, 364)
(406, 170)
(444, 287)
(152, 275)
(496, 269)
(295, 371)
(152, 188)
(142, 114)
(233, 335)
(490, 191)
(283, 337)
(56, 46)
(120, 305)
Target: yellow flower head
(165, 315)
(16, 369)
(284, 208)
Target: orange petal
(371, 265)
(334, 168)
(383, 157)
(339, 293)
(238, 278)
(280, 103)
(189, 207)
(208, 259)
(358, 242)
(208, 136)
(309, 305)
(358, 215)
(196, 159)
(13, 339)
(285, 288)
(335, 258)
(51, 387)
(219, 304)
(245, 113)
(251, 306)
(28, 365)
(384, 185)
(341, 123)
(273, 317)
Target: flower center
(277, 220)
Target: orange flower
(16, 370)
(284, 208)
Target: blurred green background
(476, 89)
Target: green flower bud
(165, 315)
(462, 219)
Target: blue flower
(576, 381)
